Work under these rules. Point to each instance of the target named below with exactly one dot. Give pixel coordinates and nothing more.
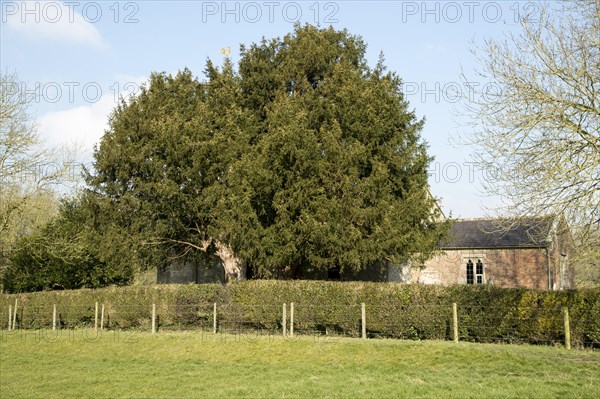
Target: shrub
(486, 314)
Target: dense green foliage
(486, 314)
(66, 253)
(304, 157)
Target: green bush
(485, 314)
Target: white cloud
(52, 20)
(82, 126)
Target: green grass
(193, 364)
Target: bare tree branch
(29, 173)
(537, 131)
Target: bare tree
(534, 110)
(29, 172)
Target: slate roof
(495, 233)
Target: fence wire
(474, 322)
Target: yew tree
(301, 156)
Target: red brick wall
(502, 267)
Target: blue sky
(77, 57)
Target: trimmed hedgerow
(485, 314)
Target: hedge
(485, 313)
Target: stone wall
(192, 272)
(378, 272)
(561, 252)
(218, 265)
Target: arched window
(475, 272)
(469, 271)
(479, 272)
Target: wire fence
(459, 322)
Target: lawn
(77, 363)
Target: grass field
(187, 364)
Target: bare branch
(538, 132)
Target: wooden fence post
(284, 320)
(14, 323)
(53, 317)
(363, 314)
(9, 316)
(455, 320)
(291, 319)
(214, 318)
(102, 318)
(96, 318)
(567, 328)
(153, 318)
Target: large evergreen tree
(305, 157)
